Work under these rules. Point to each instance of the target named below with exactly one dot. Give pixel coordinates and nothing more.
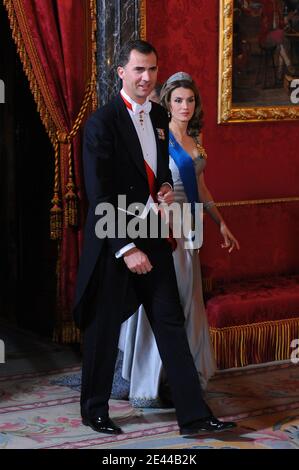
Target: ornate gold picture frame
(249, 87)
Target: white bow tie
(142, 108)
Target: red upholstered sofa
(252, 295)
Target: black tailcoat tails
(107, 292)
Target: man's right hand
(137, 261)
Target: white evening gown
(142, 365)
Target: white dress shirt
(144, 128)
(146, 135)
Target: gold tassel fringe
(56, 211)
(56, 219)
(238, 346)
(67, 333)
(50, 117)
(71, 211)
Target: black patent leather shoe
(100, 424)
(207, 425)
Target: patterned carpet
(41, 410)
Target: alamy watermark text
(295, 93)
(141, 221)
(2, 352)
(2, 92)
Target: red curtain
(55, 40)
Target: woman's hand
(165, 194)
(230, 241)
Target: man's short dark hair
(137, 44)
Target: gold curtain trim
(142, 32)
(59, 137)
(257, 201)
(50, 118)
(67, 333)
(63, 138)
(42, 109)
(20, 18)
(24, 57)
(93, 16)
(240, 345)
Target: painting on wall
(258, 60)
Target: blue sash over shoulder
(185, 165)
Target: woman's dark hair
(137, 44)
(196, 122)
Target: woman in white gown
(142, 365)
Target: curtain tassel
(71, 211)
(56, 219)
(70, 197)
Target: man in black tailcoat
(126, 154)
